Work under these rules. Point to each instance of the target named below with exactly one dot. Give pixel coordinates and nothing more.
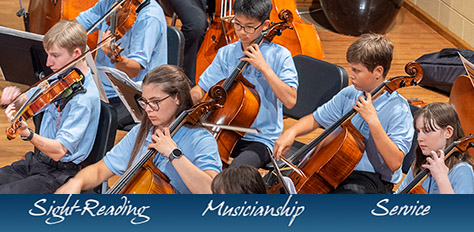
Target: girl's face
(431, 140)
(167, 105)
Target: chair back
(105, 137)
(318, 81)
(175, 46)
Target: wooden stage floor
(410, 36)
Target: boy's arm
(389, 151)
(302, 127)
(285, 93)
(197, 93)
(51, 147)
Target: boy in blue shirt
(271, 70)
(144, 47)
(384, 122)
(67, 131)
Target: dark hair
(174, 82)
(437, 116)
(371, 50)
(239, 180)
(259, 9)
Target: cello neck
(415, 74)
(228, 82)
(297, 156)
(421, 175)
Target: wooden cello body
(462, 97)
(44, 14)
(331, 157)
(239, 110)
(303, 39)
(331, 162)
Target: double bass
(303, 39)
(331, 157)
(43, 14)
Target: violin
(414, 187)
(123, 16)
(48, 90)
(302, 39)
(143, 177)
(331, 157)
(240, 102)
(45, 94)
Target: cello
(143, 177)
(303, 39)
(241, 102)
(462, 97)
(331, 157)
(414, 187)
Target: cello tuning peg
(402, 83)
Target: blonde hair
(66, 34)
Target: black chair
(410, 156)
(175, 46)
(104, 139)
(318, 81)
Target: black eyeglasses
(247, 29)
(154, 105)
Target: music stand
(127, 90)
(22, 56)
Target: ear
(378, 72)
(176, 99)
(266, 24)
(448, 132)
(76, 52)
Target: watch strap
(29, 137)
(175, 154)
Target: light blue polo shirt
(198, 145)
(145, 42)
(269, 120)
(76, 126)
(395, 116)
(461, 177)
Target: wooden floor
(410, 36)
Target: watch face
(177, 153)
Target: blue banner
(236, 212)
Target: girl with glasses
(190, 158)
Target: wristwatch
(29, 137)
(175, 154)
